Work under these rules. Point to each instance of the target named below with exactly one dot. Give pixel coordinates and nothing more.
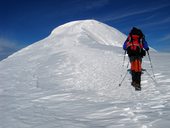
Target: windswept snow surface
(70, 80)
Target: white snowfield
(70, 80)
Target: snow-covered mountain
(70, 80)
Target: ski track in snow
(76, 86)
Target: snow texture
(70, 80)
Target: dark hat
(136, 31)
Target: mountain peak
(76, 33)
(78, 24)
(95, 30)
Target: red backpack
(134, 44)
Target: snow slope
(70, 80)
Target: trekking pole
(124, 59)
(150, 76)
(123, 64)
(128, 64)
(151, 64)
(123, 79)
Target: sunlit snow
(71, 80)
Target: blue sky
(23, 22)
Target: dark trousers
(136, 77)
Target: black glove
(147, 49)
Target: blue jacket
(145, 44)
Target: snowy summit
(70, 80)
(94, 30)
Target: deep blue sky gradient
(23, 22)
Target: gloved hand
(147, 49)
